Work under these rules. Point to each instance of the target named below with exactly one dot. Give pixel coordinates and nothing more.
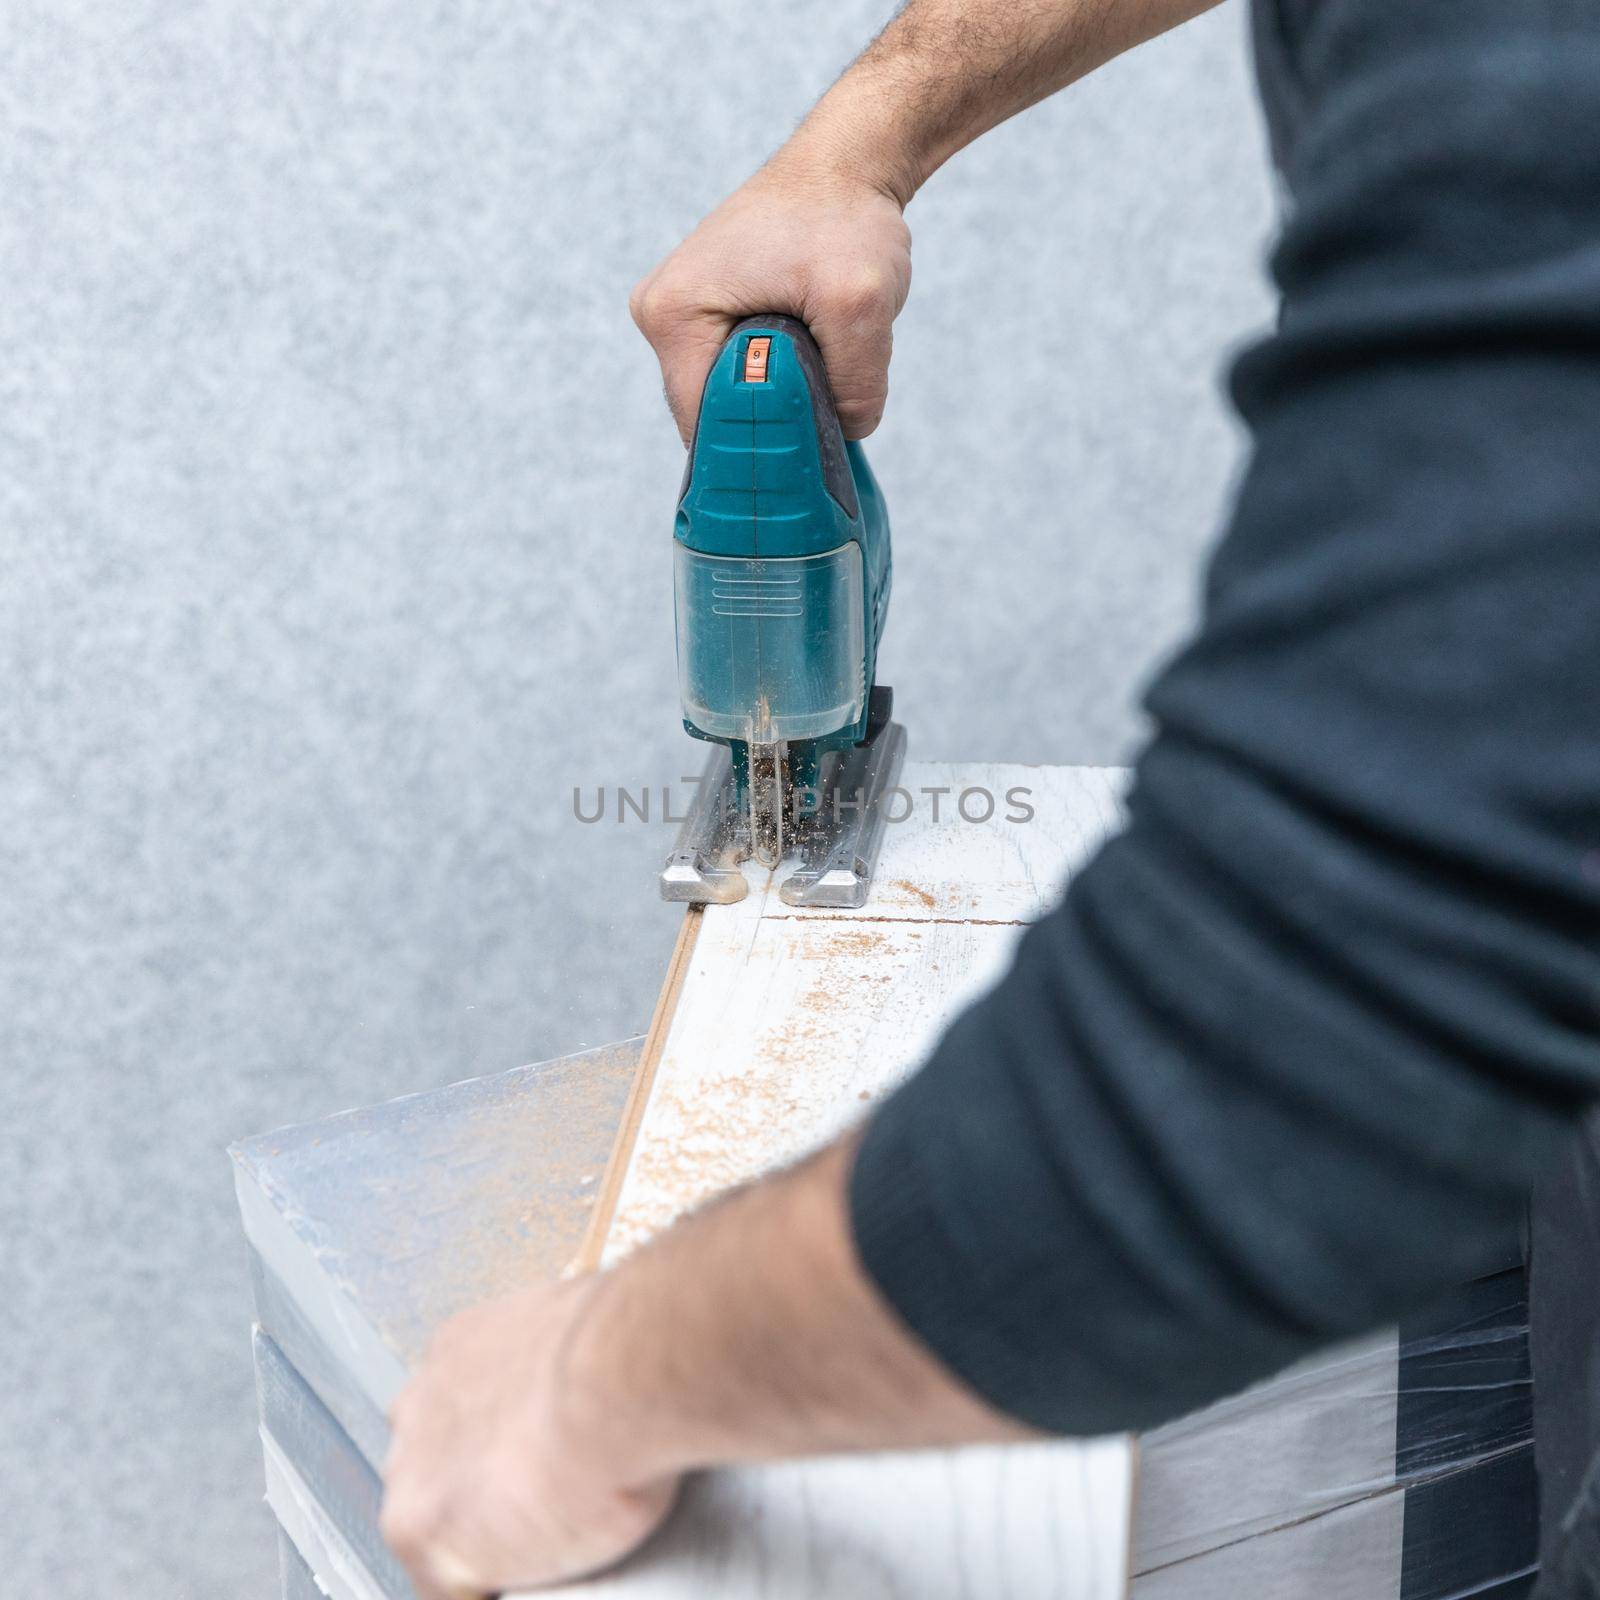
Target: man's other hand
(495, 1479)
(800, 239)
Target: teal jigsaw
(782, 572)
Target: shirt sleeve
(1291, 1051)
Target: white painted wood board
(789, 1022)
(781, 1026)
(1032, 1522)
(986, 1524)
(787, 1029)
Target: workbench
(776, 1027)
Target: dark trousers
(1565, 1322)
(1294, 65)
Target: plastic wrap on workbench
(279, 1317)
(416, 1208)
(1447, 1391)
(326, 1472)
(1466, 1383)
(1466, 1533)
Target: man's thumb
(686, 341)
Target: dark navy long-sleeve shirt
(1300, 1037)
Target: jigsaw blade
(768, 803)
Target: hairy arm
(818, 231)
(546, 1433)
(782, 1345)
(945, 71)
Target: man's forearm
(946, 71)
(818, 232)
(750, 1331)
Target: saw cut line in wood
(590, 1251)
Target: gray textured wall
(334, 497)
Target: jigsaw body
(781, 576)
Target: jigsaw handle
(778, 355)
(781, 550)
(836, 465)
